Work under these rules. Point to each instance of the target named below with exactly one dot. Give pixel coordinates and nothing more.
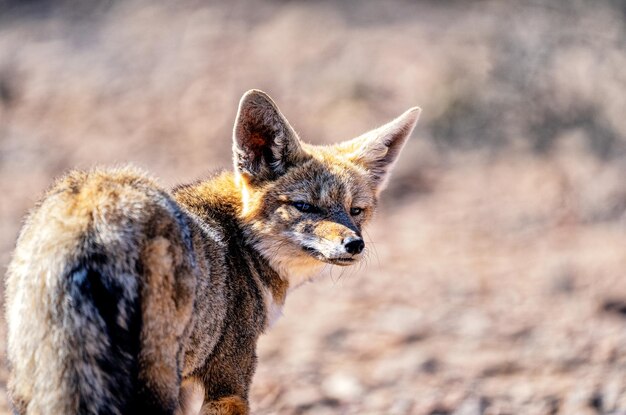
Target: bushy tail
(75, 292)
(74, 330)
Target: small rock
(342, 386)
(615, 306)
(430, 365)
(595, 402)
(563, 283)
(439, 410)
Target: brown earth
(495, 277)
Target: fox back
(124, 297)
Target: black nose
(354, 246)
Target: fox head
(305, 205)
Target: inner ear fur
(264, 144)
(378, 150)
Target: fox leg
(228, 405)
(191, 397)
(192, 402)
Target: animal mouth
(341, 261)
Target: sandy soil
(495, 275)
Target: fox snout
(354, 245)
(333, 242)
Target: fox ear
(264, 144)
(378, 149)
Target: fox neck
(290, 266)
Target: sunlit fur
(333, 179)
(296, 243)
(123, 297)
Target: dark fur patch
(99, 310)
(95, 301)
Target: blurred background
(495, 282)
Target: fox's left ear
(264, 144)
(378, 150)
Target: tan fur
(160, 337)
(123, 297)
(229, 405)
(191, 397)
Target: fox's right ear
(264, 144)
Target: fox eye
(355, 211)
(305, 207)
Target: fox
(124, 297)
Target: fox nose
(354, 246)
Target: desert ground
(495, 280)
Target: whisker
(341, 272)
(374, 250)
(331, 275)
